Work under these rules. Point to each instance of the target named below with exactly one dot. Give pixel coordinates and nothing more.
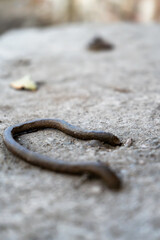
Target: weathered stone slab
(118, 91)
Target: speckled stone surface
(117, 91)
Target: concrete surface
(117, 91)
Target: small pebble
(129, 142)
(99, 44)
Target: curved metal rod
(95, 168)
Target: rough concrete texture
(117, 91)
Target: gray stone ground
(85, 89)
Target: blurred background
(27, 13)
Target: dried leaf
(24, 83)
